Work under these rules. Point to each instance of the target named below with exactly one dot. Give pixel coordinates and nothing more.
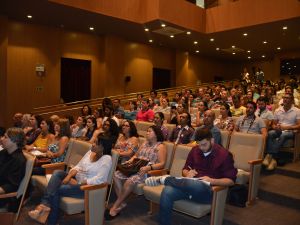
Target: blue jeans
(178, 189)
(276, 140)
(55, 190)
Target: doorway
(75, 79)
(161, 78)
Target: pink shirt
(145, 115)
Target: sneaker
(155, 181)
(272, 165)
(267, 160)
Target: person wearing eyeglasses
(207, 164)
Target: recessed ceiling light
(233, 46)
(278, 48)
(287, 63)
(248, 51)
(163, 25)
(150, 40)
(217, 49)
(195, 42)
(146, 29)
(245, 34)
(265, 42)
(284, 28)
(171, 36)
(29, 16)
(233, 53)
(263, 56)
(211, 39)
(249, 57)
(188, 32)
(91, 28)
(295, 66)
(197, 51)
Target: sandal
(40, 213)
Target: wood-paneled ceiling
(63, 17)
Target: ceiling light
(91, 28)
(284, 28)
(233, 53)
(217, 49)
(212, 39)
(150, 40)
(163, 25)
(265, 42)
(263, 56)
(197, 51)
(249, 57)
(295, 66)
(146, 29)
(232, 46)
(248, 51)
(29, 16)
(172, 36)
(278, 48)
(245, 34)
(195, 42)
(188, 32)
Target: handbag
(129, 169)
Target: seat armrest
(53, 166)
(218, 188)
(8, 195)
(255, 162)
(89, 187)
(158, 172)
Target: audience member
(237, 109)
(263, 112)
(118, 109)
(108, 136)
(86, 110)
(92, 169)
(159, 122)
(145, 114)
(131, 114)
(209, 162)
(152, 150)
(224, 120)
(183, 132)
(78, 129)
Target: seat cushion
(185, 206)
(138, 189)
(242, 177)
(72, 205)
(40, 182)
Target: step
(280, 189)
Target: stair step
(280, 189)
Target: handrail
(76, 106)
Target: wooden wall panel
(243, 13)
(3, 71)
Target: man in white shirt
(286, 121)
(92, 169)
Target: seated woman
(91, 126)
(158, 121)
(224, 120)
(86, 110)
(92, 169)
(127, 143)
(131, 114)
(78, 128)
(33, 130)
(202, 107)
(12, 161)
(44, 139)
(109, 135)
(164, 107)
(152, 150)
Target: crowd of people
(253, 106)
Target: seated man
(118, 109)
(286, 121)
(92, 169)
(208, 122)
(263, 112)
(183, 132)
(145, 114)
(251, 123)
(12, 163)
(207, 164)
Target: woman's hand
(49, 154)
(144, 170)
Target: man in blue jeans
(207, 164)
